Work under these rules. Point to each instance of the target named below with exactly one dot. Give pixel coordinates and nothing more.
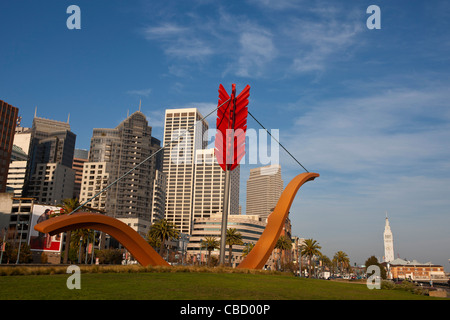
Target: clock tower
(388, 242)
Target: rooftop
(403, 262)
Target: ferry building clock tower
(388, 242)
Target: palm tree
(79, 239)
(68, 206)
(326, 262)
(210, 243)
(341, 258)
(310, 248)
(248, 247)
(283, 244)
(154, 242)
(163, 230)
(233, 238)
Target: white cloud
(319, 44)
(140, 92)
(249, 45)
(155, 118)
(278, 4)
(257, 49)
(191, 49)
(178, 42)
(163, 31)
(391, 130)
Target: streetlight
(183, 239)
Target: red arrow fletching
(231, 127)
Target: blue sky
(367, 109)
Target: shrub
(109, 256)
(387, 285)
(43, 258)
(405, 285)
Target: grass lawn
(189, 286)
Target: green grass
(189, 286)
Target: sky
(367, 109)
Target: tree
(233, 238)
(283, 244)
(210, 243)
(79, 240)
(326, 262)
(109, 256)
(154, 242)
(342, 260)
(374, 261)
(24, 255)
(68, 206)
(71, 205)
(248, 247)
(310, 249)
(164, 231)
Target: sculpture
(128, 237)
(146, 255)
(258, 256)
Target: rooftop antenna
(35, 112)
(139, 105)
(68, 117)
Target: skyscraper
(79, 158)
(178, 163)
(118, 151)
(51, 183)
(51, 142)
(19, 160)
(388, 242)
(95, 177)
(159, 196)
(8, 118)
(49, 175)
(209, 183)
(264, 188)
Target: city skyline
(367, 109)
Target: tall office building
(19, 160)
(159, 196)
(388, 242)
(209, 183)
(178, 163)
(51, 142)
(8, 119)
(264, 188)
(80, 157)
(120, 150)
(95, 177)
(16, 177)
(51, 183)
